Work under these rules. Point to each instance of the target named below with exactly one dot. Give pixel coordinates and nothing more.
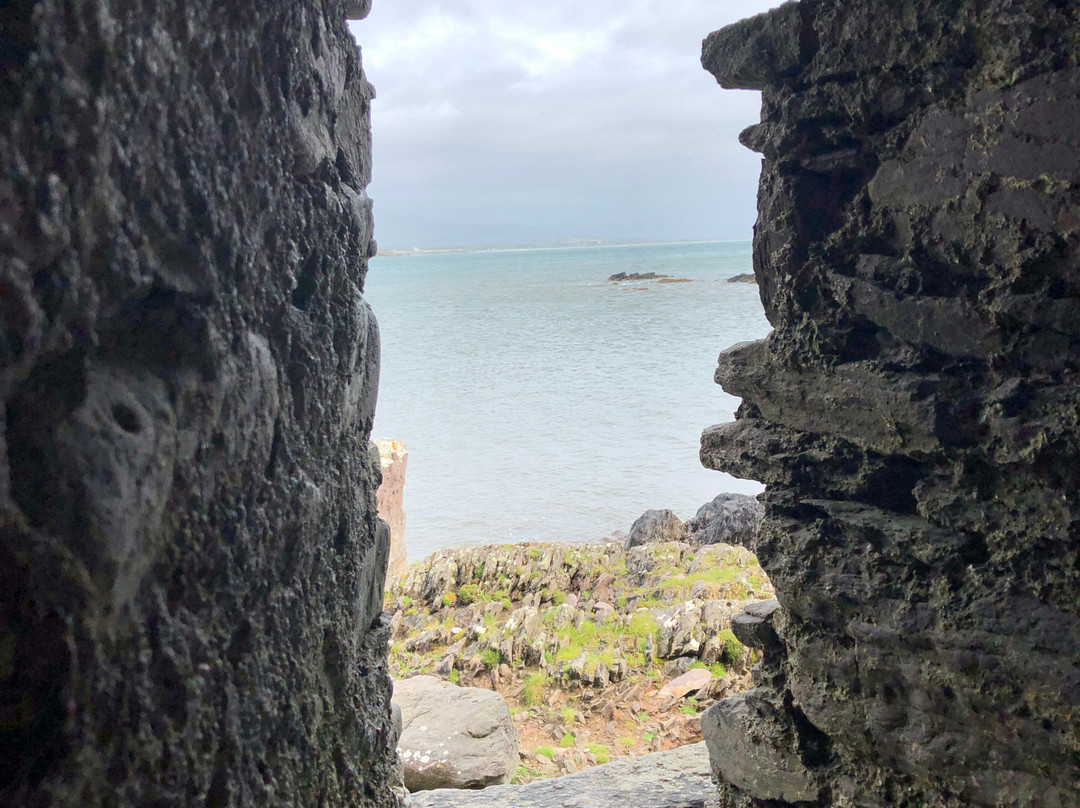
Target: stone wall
(191, 561)
(916, 411)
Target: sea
(539, 401)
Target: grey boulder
(454, 737)
(655, 526)
(754, 747)
(728, 519)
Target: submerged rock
(915, 412)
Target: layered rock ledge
(915, 411)
(601, 652)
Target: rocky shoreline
(602, 650)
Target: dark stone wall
(916, 411)
(190, 557)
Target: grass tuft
(731, 649)
(602, 753)
(534, 689)
(469, 593)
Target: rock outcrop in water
(191, 562)
(915, 412)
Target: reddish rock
(605, 587)
(393, 457)
(689, 682)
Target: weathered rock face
(915, 412)
(191, 558)
(394, 459)
(655, 526)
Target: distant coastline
(584, 244)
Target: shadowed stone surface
(191, 561)
(915, 411)
(754, 747)
(678, 778)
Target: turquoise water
(539, 401)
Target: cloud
(559, 114)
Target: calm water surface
(539, 401)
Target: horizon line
(398, 253)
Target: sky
(501, 122)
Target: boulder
(597, 676)
(357, 9)
(728, 519)
(619, 670)
(639, 562)
(454, 737)
(576, 669)
(604, 588)
(753, 625)
(680, 631)
(716, 615)
(711, 650)
(677, 667)
(678, 778)
(754, 747)
(655, 526)
(700, 590)
(425, 640)
(602, 611)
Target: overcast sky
(564, 118)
